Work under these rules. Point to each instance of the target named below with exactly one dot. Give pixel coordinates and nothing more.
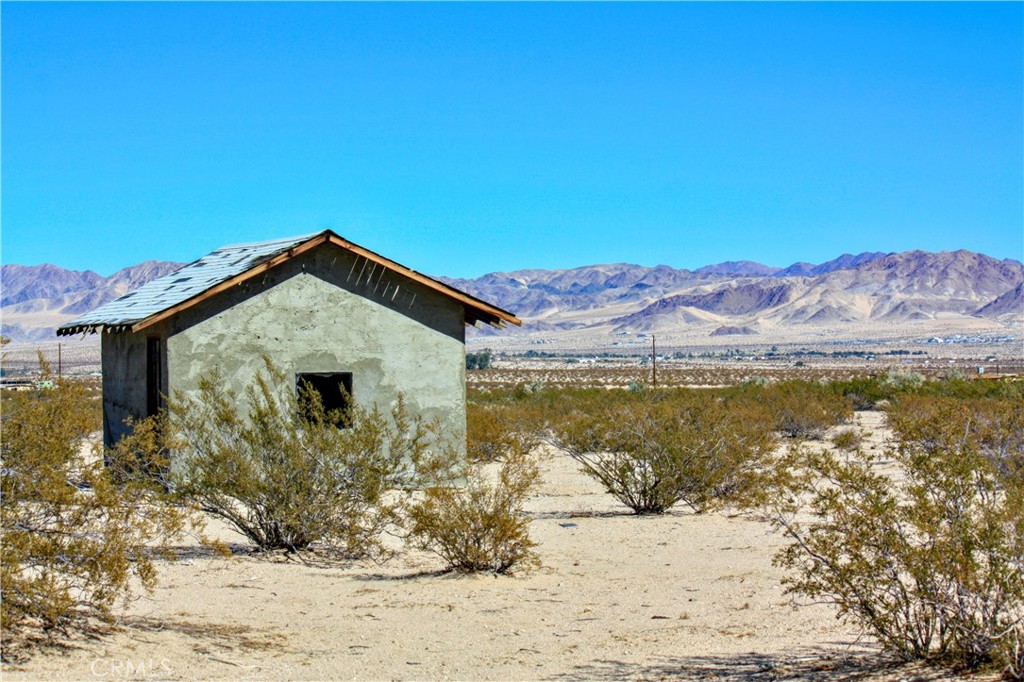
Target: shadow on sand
(222, 636)
(415, 575)
(807, 665)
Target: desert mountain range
(36, 299)
(735, 297)
(744, 297)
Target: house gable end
(231, 266)
(342, 270)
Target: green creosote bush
(867, 393)
(864, 393)
(994, 425)
(801, 409)
(847, 439)
(77, 525)
(929, 561)
(479, 525)
(472, 516)
(276, 467)
(652, 450)
(495, 430)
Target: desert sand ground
(679, 596)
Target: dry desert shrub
(801, 409)
(74, 530)
(478, 525)
(864, 393)
(654, 449)
(847, 439)
(994, 425)
(898, 379)
(495, 430)
(930, 561)
(282, 472)
(471, 515)
(874, 392)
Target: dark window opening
(334, 390)
(154, 377)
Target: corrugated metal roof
(181, 285)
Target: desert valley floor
(679, 596)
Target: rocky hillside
(1011, 303)
(727, 298)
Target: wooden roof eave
(492, 314)
(481, 310)
(93, 328)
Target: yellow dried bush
(930, 561)
(652, 449)
(493, 430)
(478, 525)
(74, 530)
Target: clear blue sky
(461, 139)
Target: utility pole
(60, 363)
(654, 363)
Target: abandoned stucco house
(325, 310)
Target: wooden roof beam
(482, 310)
